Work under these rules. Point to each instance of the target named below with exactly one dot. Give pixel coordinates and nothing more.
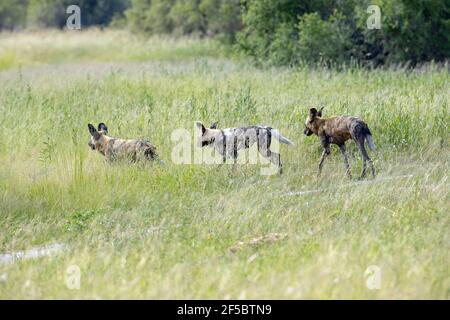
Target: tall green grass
(164, 231)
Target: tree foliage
(287, 32)
(17, 14)
(277, 32)
(181, 17)
(12, 14)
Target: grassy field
(55, 47)
(165, 231)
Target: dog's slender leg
(366, 158)
(364, 169)
(263, 146)
(275, 158)
(372, 168)
(370, 163)
(326, 151)
(235, 149)
(224, 150)
(234, 157)
(344, 155)
(280, 165)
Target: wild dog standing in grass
(115, 149)
(338, 130)
(230, 140)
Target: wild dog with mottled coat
(337, 130)
(120, 149)
(230, 140)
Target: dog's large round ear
(200, 126)
(93, 131)
(102, 127)
(214, 125)
(313, 112)
(319, 114)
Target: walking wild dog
(338, 130)
(230, 140)
(115, 149)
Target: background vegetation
(51, 47)
(277, 32)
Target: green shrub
(323, 40)
(52, 13)
(289, 32)
(185, 17)
(12, 14)
(411, 31)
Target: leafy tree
(287, 32)
(151, 16)
(181, 17)
(323, 41)
(52, 13)
(223, 17)
(12, 14)
(187, 18)
(411, 30)
(279, 32)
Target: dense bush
(277, 32)
(12, 14)
(287, 32)
(180, 17)
(17, 14)
(412, 30)
(323, 40)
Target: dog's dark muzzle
(307, 132)
(91, 145)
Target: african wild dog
(230, 140)
(115, 149)
(338, 130)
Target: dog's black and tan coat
(230, 140)
(337, 130)
(119, 149)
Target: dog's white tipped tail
(370, 142)
(281, 138)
